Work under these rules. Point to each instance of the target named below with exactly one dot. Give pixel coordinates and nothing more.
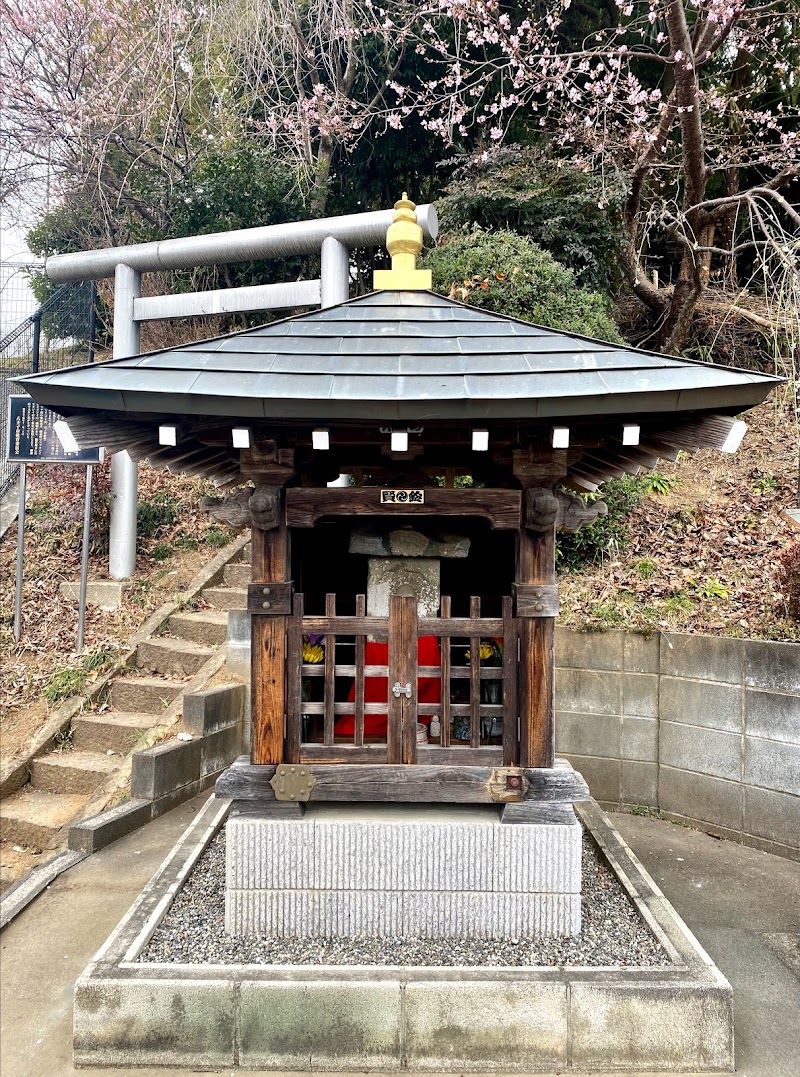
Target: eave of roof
(399, 356)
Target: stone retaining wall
(705, 729)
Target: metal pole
(37, 337)
(87, 511)
(23, 479)
(124, 473)
(239, 245)
(335, 272)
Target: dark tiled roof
(399, 355)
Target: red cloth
(376, 689)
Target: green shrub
(568, 212)
(508, 274)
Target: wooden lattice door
(372, 689)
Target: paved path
(743, 905)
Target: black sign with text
(32, 438)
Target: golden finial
(404, 243)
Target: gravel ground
(193, 932)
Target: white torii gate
(334, 237)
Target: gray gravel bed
(193, 932)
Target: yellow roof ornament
(404, 243)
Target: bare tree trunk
(320, 189)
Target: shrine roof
(398, 355)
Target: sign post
(33, 438)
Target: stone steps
(237, 574)
(150, 695)
(226, 598)
(172, 657)
(71, 771)
(209, 627)
(34, 818)
(116, 731)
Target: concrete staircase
(63, 780)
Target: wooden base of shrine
(419, 784)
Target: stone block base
(383, 871)
(106, 594)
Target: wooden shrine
(445, 419)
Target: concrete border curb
(25, 889)
(418, 1019)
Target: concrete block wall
(705, 729)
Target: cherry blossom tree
(692, 104)
(107, 98)
(316, 75)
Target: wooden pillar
(270, 564)
(536, 566)
(537, 601)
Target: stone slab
(772, 764)
(418, 576)
(588, 734)
(641, 653)
(329, 1026)
(772, 815)
(532, 1027)
(308, 1017)
(603, 776)
(640, 739)
(153, 1024)
(773, 666)
(706, 751)
(389, 914)
(700, 797)
(467, 879)
(591, 691)
(91, 835)
(105, 594)
(775, 715)
(707, 658)
(164, 768)
(675, 1030)
(701, 703)
(639, 783)
(589, 650)
(640, 694)
(213, 708)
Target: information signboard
(32, 438)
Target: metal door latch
(399, 689)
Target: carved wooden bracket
(270, 599)
(233, 509)
(543, 508)
(574, 512)
(536, 599)
(265, 507)
(248, 506)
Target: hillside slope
(703, 556)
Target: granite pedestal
(381, 870)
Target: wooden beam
(424, 784)
(269, 564)
(536, 565)
(306, 505)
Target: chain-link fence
(59, 333)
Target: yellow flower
(313, 654)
